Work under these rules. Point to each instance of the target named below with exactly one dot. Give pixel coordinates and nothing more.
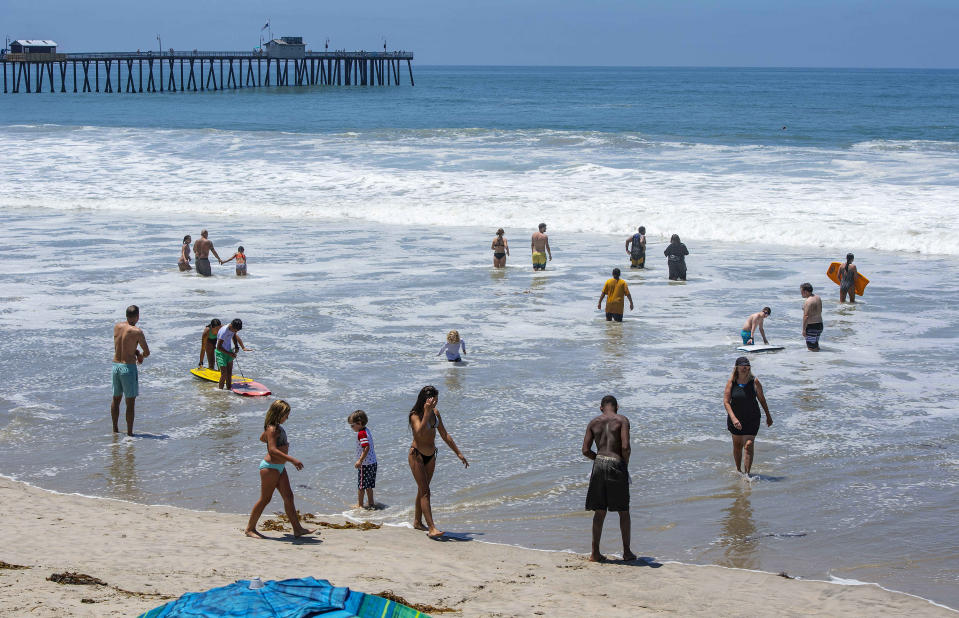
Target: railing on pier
(195, 70)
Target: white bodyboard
(760, 347)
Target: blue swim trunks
(125, 380)
(746, 336)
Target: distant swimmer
(273, 474)
(847, 279)
(752, 323)
(615, 290)
(424, 422)
(127, 337)
(184, 262)
(609, 479)
(500, 249)
(811, 317)
(539, 245)
(240, 258)
(636, 248)
(452, 347)
(742, 398)
(208, 343)
(676, 253)
(203, 247)
(226, 350)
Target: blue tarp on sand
(289, 598)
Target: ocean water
(367, 216)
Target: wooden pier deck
(192, 71)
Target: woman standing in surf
(742, 399)
(500, 249)
(425, 421)
(184, 261)
(208, 343)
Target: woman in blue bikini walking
(273, 474)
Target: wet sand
(149, 554)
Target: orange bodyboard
(833, 273)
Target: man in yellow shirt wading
(614, 291)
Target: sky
(754, 33)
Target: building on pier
(286, 47)
(33, 46)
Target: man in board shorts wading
(203, 247)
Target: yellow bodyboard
(213, 375)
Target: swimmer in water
(208, 343)
(452, 347)
(500, 249)
(240, 258)
(184, 262)
(847, 279)
(752, 323)
(812, 326)
(539, 246)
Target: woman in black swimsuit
(500, 249)
(424, 422)
(742, 412)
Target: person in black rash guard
(676, 253)
(742, 398)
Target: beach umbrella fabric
(289, 598)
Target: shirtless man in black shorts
(811, 317)
(609, 480)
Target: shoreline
(71, 532)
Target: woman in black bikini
(424, 422)
(500, 249)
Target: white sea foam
(887, 195)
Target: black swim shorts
(608, 485)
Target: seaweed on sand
(420, 607)
(76, 579)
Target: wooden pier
(179, 71)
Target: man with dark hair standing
(609, 480)
(615, 290)
(126, 337)
(539, 246)
(811, 317)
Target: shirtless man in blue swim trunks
(752, 323)
(126, 337)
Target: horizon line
(693, 66)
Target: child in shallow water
(240, 258)
(452, 347)
(365, 459)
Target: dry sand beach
(147, 555)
